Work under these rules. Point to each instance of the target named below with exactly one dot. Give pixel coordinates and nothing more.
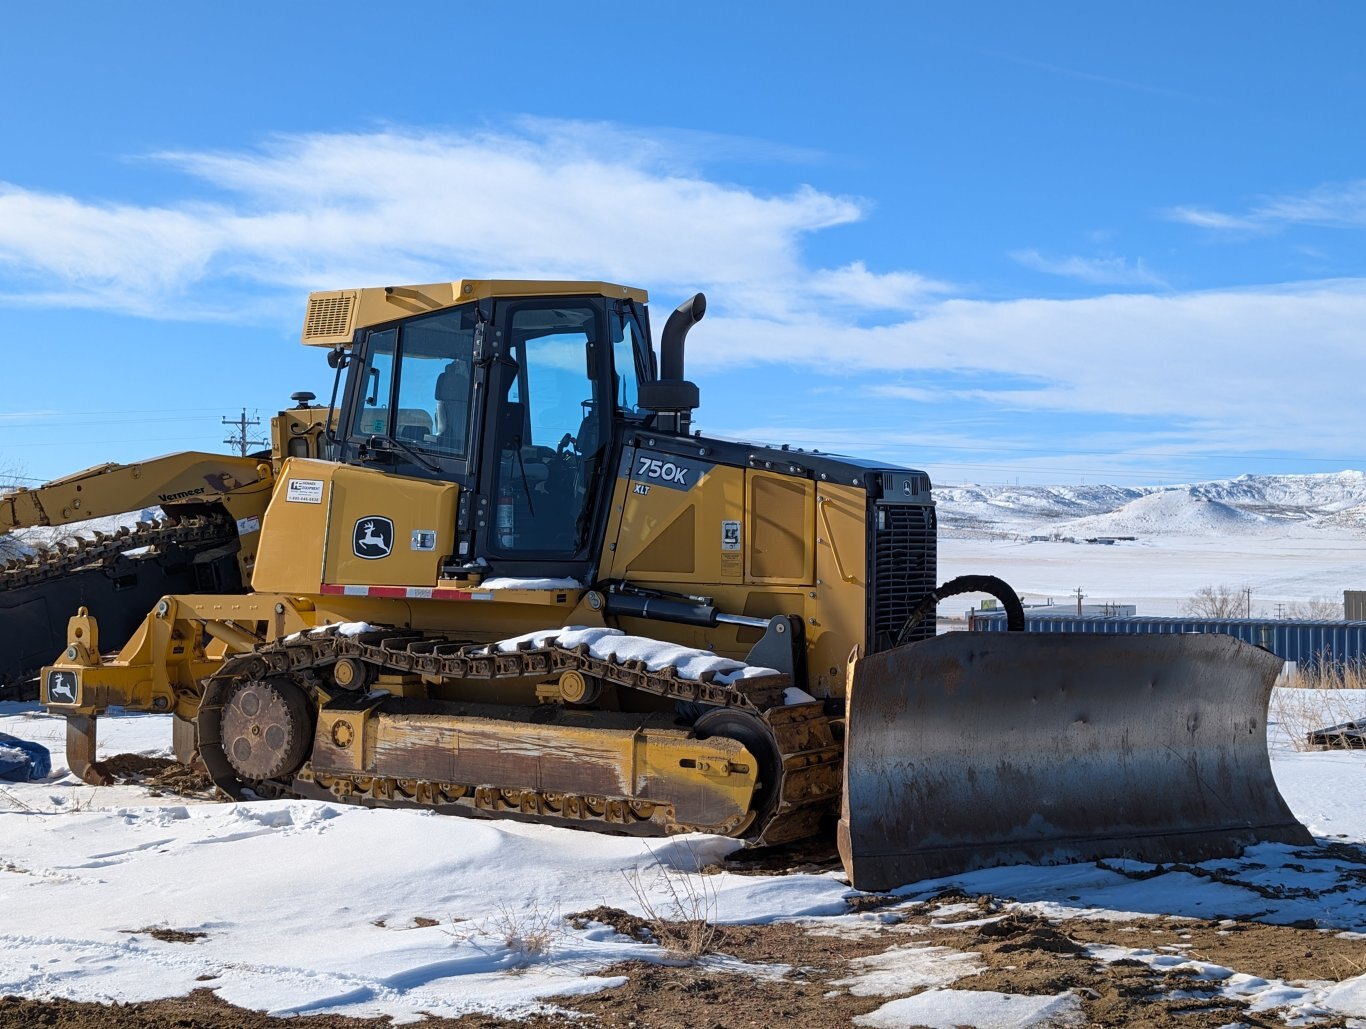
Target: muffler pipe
(684, 317)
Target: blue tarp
(22, 760)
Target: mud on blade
(973, 749)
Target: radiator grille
(901, 570)
(328, 316)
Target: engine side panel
(340, 524)
(760, 541)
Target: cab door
(547, 430)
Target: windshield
(416, 384)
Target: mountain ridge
(1247, 504)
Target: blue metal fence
(1306, 643)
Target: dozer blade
(974, 749)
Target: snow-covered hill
(1171, 512)
(1249, 504)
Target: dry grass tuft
(526, 933)
(1317, 698)
(679, 909)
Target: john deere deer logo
(61, 688)
(373, 537)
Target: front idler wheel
(267, 728)
(758, 740)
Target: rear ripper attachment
(370, 718)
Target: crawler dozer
(512, 580)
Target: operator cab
(515, 398)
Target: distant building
(1308, 643)
(1047, 608)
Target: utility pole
(1080, 596)
(1247, 593)
(241, 440)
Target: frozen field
(311, 907)
(1159, 574)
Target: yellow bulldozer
(500, 574)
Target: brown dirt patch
(812, 856)
(623, 922)
(167, 935)
(1023, 953)
(199, 1010)
(1269, 951)
(662, 997)
(160, 776)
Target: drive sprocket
(267, 728)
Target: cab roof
(334, 315)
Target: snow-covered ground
(311, 907)
(1160, 576)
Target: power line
(242, 441)
(106, 442)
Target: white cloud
(1249, 370)
(855, 285)
(1101, 271)
(105, 250)
(322, 211)
(1232, 369)
(1334, 205)
(1203, 218)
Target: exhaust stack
(676, 329)
(672, 397)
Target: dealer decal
(304, 491)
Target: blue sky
(997, 241)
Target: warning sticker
(305, 491)
(246, 525)
(730, 535)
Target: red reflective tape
(399, 592)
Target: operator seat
(453, 406)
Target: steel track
(808, 770)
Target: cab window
(372, 418)
(416, 383)
(434, 382)
(625, 377)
